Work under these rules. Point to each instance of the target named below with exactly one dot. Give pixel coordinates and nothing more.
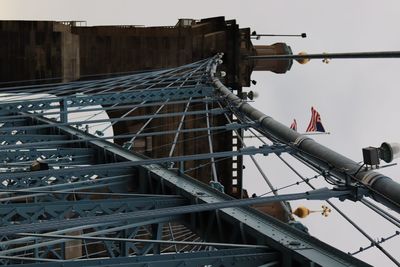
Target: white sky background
(358, 99)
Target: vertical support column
(36, 249)
(181, 167)
(214, 180)
(63, 111)
(124, 247)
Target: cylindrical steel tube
(383, 54)
(383, 189)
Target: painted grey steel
(106, 99)
(130, 80)
(281, 236)
(382, 188)
(109, 168)
(13, 156)
(40, 144)
(119, 166)
(320, 194)
(64, 189)
(30, 212)
(210, 145)
(67, 176)
(63, 111)
(22, 117)
(225, 257)
(143, 117)
(130, 240)
(9, 245)
(24, 138)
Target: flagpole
(253, 136)
(306, 133)
(315, 133)
(257, 35)
(351, 55)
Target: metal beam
(151, 241)
(30, 178)
(28, 138)
(11, 156)
(227, 127)
(210, 145)
(33, 212)
(133, 118)
(9, 248)
(68, 176)
(114, 107)
(12, 123)
(172, 93)
(322, 194)
(274, 233)
(225, 257)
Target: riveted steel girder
(135, 96)
(264, 229)
(23, 213)
(61, 154)
(224, 257)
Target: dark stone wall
(37, 50)
(118, 49)
(113, 49)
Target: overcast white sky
(358, 99)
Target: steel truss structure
(103, 196)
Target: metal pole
(255, 34)
(352, 55)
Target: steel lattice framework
(105, 197)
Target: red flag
(293, 126)
(315, 124)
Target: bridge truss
(100, 173)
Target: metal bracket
(356, 192)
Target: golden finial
(325, 211)
(303, 60)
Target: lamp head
(389, 151)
